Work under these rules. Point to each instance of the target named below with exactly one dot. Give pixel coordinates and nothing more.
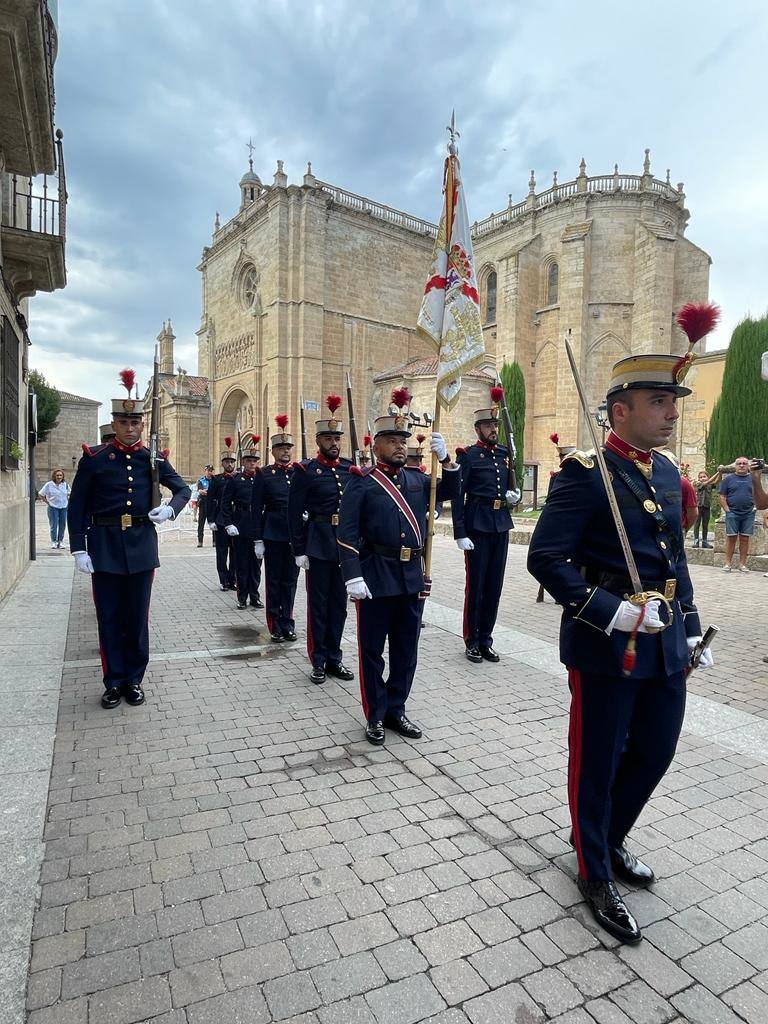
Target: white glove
(302, 562)
(706, 660)
(83, 561)
(513, 497)
(437, 445)
(465, 544)
(232, 530)
(213, 527)
(436, 514)
(357, 589)
(258, 549)
(161, 513)
(627, 615)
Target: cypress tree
(513, 382)
(741, 415)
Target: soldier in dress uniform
(313, 517)
(269, 511)
(381, 540)
(112, 536)
(106, 432)
(626, 708)
(481, 525)
(237, 522)
(225, 551)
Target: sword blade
(626, 548)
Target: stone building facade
(308, 282)
(32, 244)
(78, 422)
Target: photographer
(737, 501)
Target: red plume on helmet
(256, 438)
(333, 402)
(227, 442)
(128, 379)
(281, 420)
(497, 393)
(401, 397)
(698, 319)
(367, 441)
(421, 438)
(554, 438)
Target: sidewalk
(233, 851)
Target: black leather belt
(494, 503)
(124, 521)
(622, 585)
(315, 517)
(401, 554)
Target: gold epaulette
(585, 459)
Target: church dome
(250, 177)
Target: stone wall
(78, 423)
(14, 507)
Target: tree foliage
(48, 403)
(739, 421)
(513, 382)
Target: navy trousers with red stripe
(484, 567)
(225, 557)
(122, 614)
(247, 568)
(281, 575)
(326, 612)
(397, 620)
(622, 738)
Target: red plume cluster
(367, 441)
(497, 393)
(554, 438)
(227, 442)
(256, 438)
(421, 438)
(128, 379)
(698, 319)
(165, 453)
(281, 420)
(333, 402)
(401, 397)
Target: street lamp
(601, 417)
(74, 461)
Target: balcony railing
(40, 206)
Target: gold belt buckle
(126, 522)
(405, 554)
(670, 586)
(496, 504)
(335, 519)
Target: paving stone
(655, 968)
(309, 949)
(400, 959)
(315, 913)
(253, 966)
(751, 944)
(553, 991)
(205, 943)
(503, 1005)
(571, 936)
(717, 968)
(289, 995)
(492, 925)
(99, 972)
(347, 1011)
(192, 984)
(410, 918)
(362, 933)
(749, 1002)
(239, 903)
(505, 962)
(642, 1004)
(246, 1006)
(130, 931)
(448, 942)
(454, 904)
(43, 988)
(126, 1004)
(101, 908)
(699, 1006)
(457, 981)
(55, 950)
(406, 1001)
(596, 972)
(266, 926)
(156, 957)
(670, 939)
(347, 977)
(176, 920)
(73, 1011)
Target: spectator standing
(203, 483)
(55, 494)
(703, 506)
(737, 501)
(689, 502)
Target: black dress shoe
(256, 603)
(222, 587)
(339, 671)
(473, 654)
(374, 733)
(404, 726)
(488, 654)
(199, 545)
(317, 675)
(241, 604)
(276, 638)
(134, 695)
(290, 636)
(111, 697)
(610, 910)
(628, 868)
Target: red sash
(383, 481)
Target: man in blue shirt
(203, 483)
(737, 501)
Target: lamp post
(601, 417)
(74, 461)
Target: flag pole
(432, 498)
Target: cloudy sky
(158, 98)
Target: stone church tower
(308, 281)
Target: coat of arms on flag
(450, 309)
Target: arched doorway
(236, 413)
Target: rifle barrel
(352, 423)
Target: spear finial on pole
(453, 149)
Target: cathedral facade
(308, 282)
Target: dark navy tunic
(269, 515)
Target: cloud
(157, 117)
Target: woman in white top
(56, 496)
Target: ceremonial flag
(450, 310)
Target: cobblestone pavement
(233, 851)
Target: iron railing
(33, 206)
